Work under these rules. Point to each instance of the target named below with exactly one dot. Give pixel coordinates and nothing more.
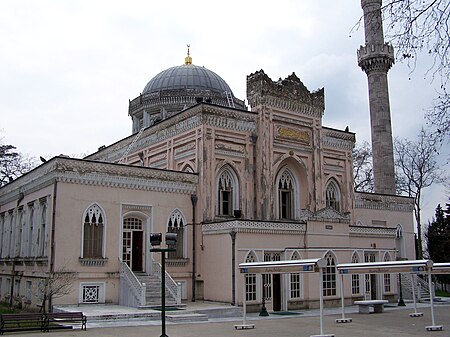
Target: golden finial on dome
(188, 59)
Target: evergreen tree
(438, 239)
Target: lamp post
(263, 311)
(155, 240)
(401, 303)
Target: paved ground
(394, 322)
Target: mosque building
(236, 183)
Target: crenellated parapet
(376, 57)
(290, 94)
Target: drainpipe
(13, 279)
(233, 267)
(194, 271)
(52, 243)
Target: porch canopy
(404, 266)
(283, 267)
(441, 268)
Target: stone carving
(290, 94)
(329, 215)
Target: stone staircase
(153, 291)
(422, 292)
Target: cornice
(191, 118)
(76, 171)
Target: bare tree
(419, 32)
(416, 168)
(57, 284)
(363, 167)
(417, 27)
(13, 164)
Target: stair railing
(132, 292)
(173, 287)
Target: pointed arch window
(387, 277)
(93, 232)
(41, 235)
(356, 289)
(227, 192)
(250, 280)
(399, 242)
(333, 196)
(286, 195)
(329, 276)
(296, 280)
(176, 225)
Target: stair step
(186, 317)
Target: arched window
(329, 276)
(250, 280)
(296, 280)
(228, 191)
(93, 232)
(355, 277)
(42, 229)
(176, 225)
(286, 196)
(387, 277)
(333, 196)
(399, 242)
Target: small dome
(187, 76)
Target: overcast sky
(68, 68)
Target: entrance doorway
(136, 251)
(370, 279)
(276, 300)
(133, 244)
(272, 284)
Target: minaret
(376, 58)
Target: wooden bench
(21, 322)
(364, 306)
(56, 320)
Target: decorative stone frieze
(384, 202)
(338, 139)
(256, 227)
(366, 231)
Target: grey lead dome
(187, 76)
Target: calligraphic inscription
(298, 135)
